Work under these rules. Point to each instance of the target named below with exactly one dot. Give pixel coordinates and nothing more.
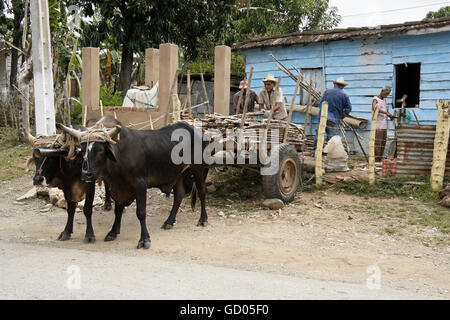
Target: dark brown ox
(141, 159)
(56, 170)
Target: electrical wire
(399, 9)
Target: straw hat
(243, 85)
(270, 77)
(340, 81)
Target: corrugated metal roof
(415, 147)
(342, 34)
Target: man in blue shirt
(338, 105)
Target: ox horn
(30, 138)
(71, 131)
(46, 152)
(114, 131)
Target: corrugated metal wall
(415, 150)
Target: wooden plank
(205, 92)
(238, 107)
(419, 49)
(359, 69)
(308, 108)
(434, 85)
(361, 77)
(299, 79)
(373, 126)
(424, 58)
(435, 67)
(350, 61)
(427, 40)
(188, 93)
(441, 94)
(440, 145)
(247, 98)
(320, 142)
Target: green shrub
(109, 97)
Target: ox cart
(270, 146)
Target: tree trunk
(17, 40)
(25, 76)
(125, 69)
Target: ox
(141, 159)
(63, 172)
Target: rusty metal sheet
(415, 147)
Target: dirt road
(315, 248)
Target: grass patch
(13, 155)
(390, 229)
(389, 187)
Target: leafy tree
(16, 9)
(134, 25)
(441, 13)
(256, 18)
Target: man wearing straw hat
(271, 96)
(252, 99)
(338, 105)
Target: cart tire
(284, 184)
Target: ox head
(47, 162)
(96, 150)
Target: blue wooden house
(413, 58)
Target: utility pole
(42, 69)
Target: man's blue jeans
(331, 130)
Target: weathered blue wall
(366, 65)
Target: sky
(363, 13)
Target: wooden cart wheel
(285, 182)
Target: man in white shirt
(271, 96)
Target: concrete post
(42, 69)
(151, 66)
(168, 64)
(90, 81)
(222, 70)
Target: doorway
(407, 82)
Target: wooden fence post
(188, 93)
(205, 92)
(440, 145)
(247, 97)
(320, 141)
(372, 146)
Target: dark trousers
(380, 143)
(331, 130)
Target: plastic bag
(336, 158)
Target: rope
(97, 134)
(60, 141)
